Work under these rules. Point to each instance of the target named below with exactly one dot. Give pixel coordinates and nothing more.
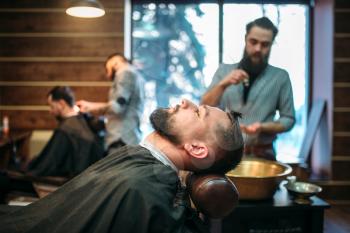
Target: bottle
(6, 126)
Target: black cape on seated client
(72, 148)
(129, 191)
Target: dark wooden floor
(337, 218)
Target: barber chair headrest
(214, 195)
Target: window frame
(221, 3)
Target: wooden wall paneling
(335, 191)
(338, 188)
(52, 71)
(29, 95)
(342, 71)
(29, 120)
(341, 170)
(342, 4)
(41, 46)
(341, 97)
(341, 145)
(342, 46)
(24, 95)
(99, 94)
(342, 121)
(342, 21)
(58, 47)
(60, 22)
(53, 4)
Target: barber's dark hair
(265, 23)
(62, 93)
(117, 55)
(230, 145)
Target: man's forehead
(112, 60)
(260, 33)
(218, 113)
(108, 63)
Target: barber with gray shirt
(257, 90)
(125, 104)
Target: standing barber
(124, 109)
(257, 90)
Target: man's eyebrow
(233, 116)
(261, 41)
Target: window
(177, 48)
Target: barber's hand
(234, 77)
(84, 106)
(254, 128)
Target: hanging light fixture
(86, 9)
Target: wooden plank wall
(41, 47)
(339, 187)
(341, 140)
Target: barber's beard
(160, 120)
(253, 69)
(111, 76)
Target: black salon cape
(128, 191)
(71, 149)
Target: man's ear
(62, 103)
(197, 149)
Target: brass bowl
(302, 191)
(258, 179)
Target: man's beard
(161, 123)
(253, 69)
(112, 76)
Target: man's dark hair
(62, 93)
(265, 23)
(117, 55)
(230, 145)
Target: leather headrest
(213, 194)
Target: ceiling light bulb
(86, 9)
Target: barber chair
(214, 196)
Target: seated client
(136, 188)
(74, 145)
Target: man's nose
(258, 47)
(185, 103)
